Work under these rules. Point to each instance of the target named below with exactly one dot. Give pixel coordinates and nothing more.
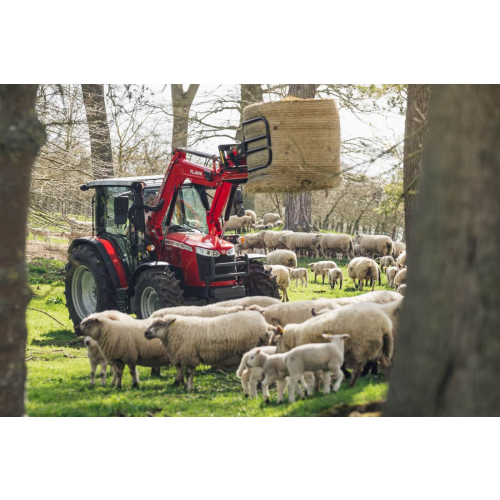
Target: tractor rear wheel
(156, 289)
(88, 285)
(260, 281)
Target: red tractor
(159, 241)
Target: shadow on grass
(60, 338)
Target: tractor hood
(206, 241)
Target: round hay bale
(305, 137)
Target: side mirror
(121, 210)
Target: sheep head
(89, 327)
(159, 329)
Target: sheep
(250, 241)
(386, 261)
(326, 358)
(402, 289)
(299, 274)
(375, 244)
(390, 274)
(334, 275)
(362, 268)
(262, 227)
(222, 341)
(96, 357)
(282, 279)
(401, 260)
(122, 342)
(285, 258)
(270, 239)
(261, 301)
(252, 215)
(278, 223)
(307, 243)
(250, 377)
(369, 330)
(337, 243)
(400, 278)
(399, 247)
(238, 223)
(271, 218)
(322, 267)
(199, 311)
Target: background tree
(181, 104)
(21, 136)
(416, 129)
(448, 347)
(298, 215)
(100, 140)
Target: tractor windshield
(190, 213)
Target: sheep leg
(104, 369)
(155, 372)
(327, 380)
(265, 388)
(367, 368)
(339, 376)
(135, 375)
(281, 384)
(253, 387)
(93, 367)
(346, 373)
(179, 378)
(119, 373)
(355, 374)
(245, 377)
(310, 383)
(190, 379)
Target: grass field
(59, 373)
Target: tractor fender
(112, 263)
(144, 267)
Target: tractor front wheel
(156, 289)
(260, 281)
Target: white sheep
(337, 243)
(249, 376)
(386, 262)
(250, 241)
(400, 278)
(399, 247)
(96, 357)
(390, 274)
(285, 258)
(401, 260)
(302, 243)
(122, 342)
(257, 300)
(363, 268)
(379, 245)
(299, 274)
(282, 279)
(271, 218)
(252, 215)
(270, 240)
(357, 250)
(222, 341)
(334, 275)
(238, 223)
(402, 289)
(199, 311)
(278, 223)
(326, 358)
(322, 268)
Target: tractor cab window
(109, 194)
(190, 212)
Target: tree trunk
(448, 348)
(181, 104)
(97, 120)
(416, 129)
(299, 206)
(21, 136)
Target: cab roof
(149, 180)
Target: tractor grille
(204, 266)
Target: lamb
(122, 342)
(199, 311)
(400, 278)
(238, 223)
(337, 243)
(222, 341)
(326, 358)
(362, 268)
(402, 289)
(386, 261)
(282, 279)
(322, 268)
(271, 218)
(270, 239)
(96, 357)
(261, 301)
(285, 258)
(305, 243)
(334, 275)
(375, 244)
(390, 274)
(401, 260)
(399, 247)
(250, 377)
(299, 274)
(369, 330)
(252, 215)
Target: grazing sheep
(322, 268)
(386, 261)
(357, 250)
(363, 268)
(390, 274)
(236, 223)
(335, 275)
(302, 243)
(299, 274)
(282, 279)
(252, 215)
(270, 240)
(122, 342)
(96, 357)
(400, 278)
(399, 247)
(250, 241)
(326, 358)
(401, 260)
(271, 218)
(402, 289)
(250, 377)
(337, 243)
(258, 300)
(262, 227)
(285, 258)
(222, 341)
(278, 223)
(375, 244)
(199, 311)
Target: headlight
(207, 253)
(230, 251)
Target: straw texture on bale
(305, 137)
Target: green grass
(59, 372)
